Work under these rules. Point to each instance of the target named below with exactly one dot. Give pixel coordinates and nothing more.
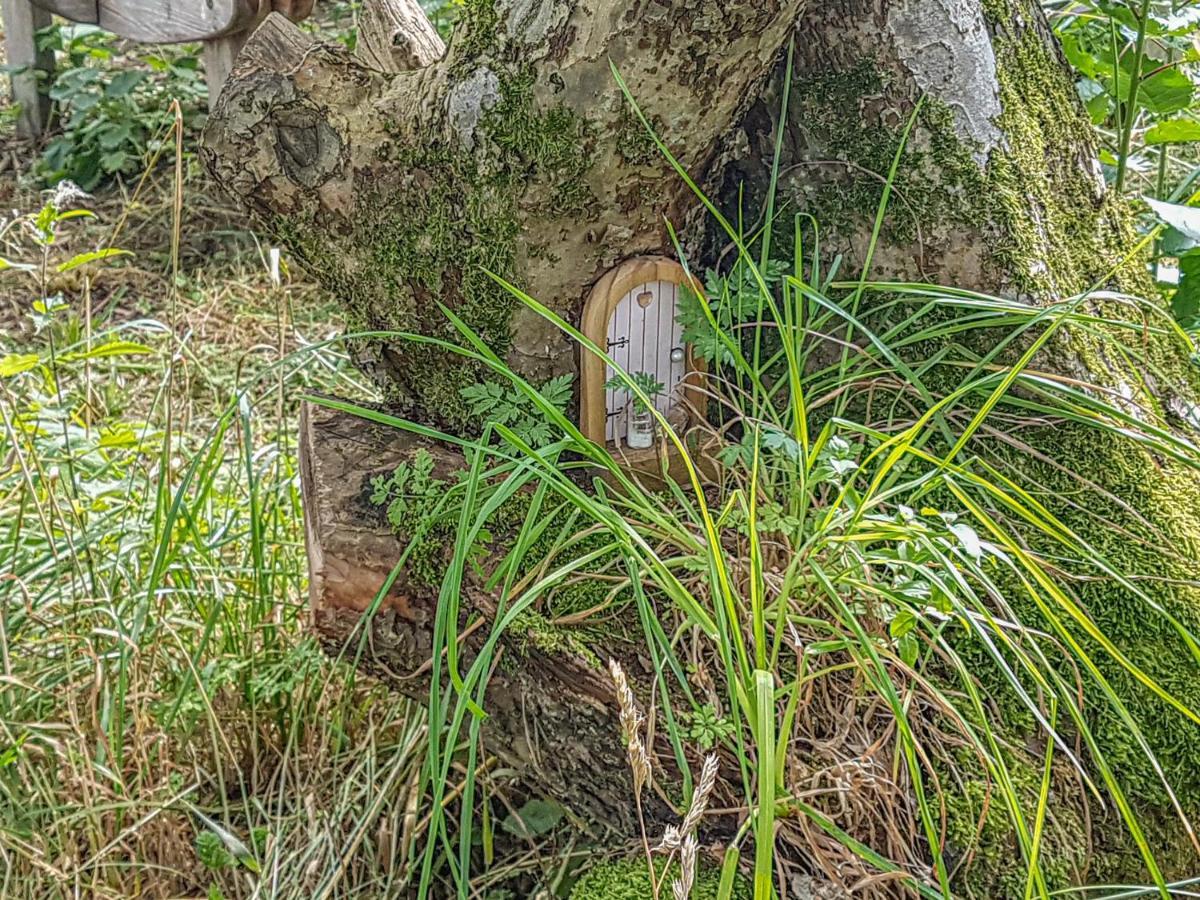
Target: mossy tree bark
(403, 177)
(512, 154)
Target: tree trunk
(402, 180)
(551, 715)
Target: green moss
(1056, 235)
(1051, 233)
(634, 143)
(414, 508)
(586, 591)
(1143, 516)
(1043, 225)
(435, 237)
(532, 631)
(1155, 508)
(555, 144)
(1116, 858)
(981, 843)
(938, 181)
(630, 880)
(478, 24)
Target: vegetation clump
(631, 880)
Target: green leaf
(115, 161)
(909, 649)
(1095, 98)
(111, 348)
(1167, 91)
(536, 817)
(94, 256)
(16, 363)
(902, 623)
(1184, 220)
(969, 539)
(210, 850)
(12, 753)
(1084, 62)
(124, 82)
(1185, 304)
(22, 267)
(1173, 131)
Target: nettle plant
(1138, 65)
(114, 107)
(1137, 76)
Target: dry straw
(631, 723)
(681, 887)
(674, 836)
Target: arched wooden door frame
(598, 310)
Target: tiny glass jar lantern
(631, 314)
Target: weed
(161, 699)
(109, 121)
(503, 405)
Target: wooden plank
(175, 21)
(87, 11)
(22, 20)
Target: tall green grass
(839, 540)
(168, 727)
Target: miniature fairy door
(631, 314)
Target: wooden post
(22, 20)
(219, 54)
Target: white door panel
(641, 335)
